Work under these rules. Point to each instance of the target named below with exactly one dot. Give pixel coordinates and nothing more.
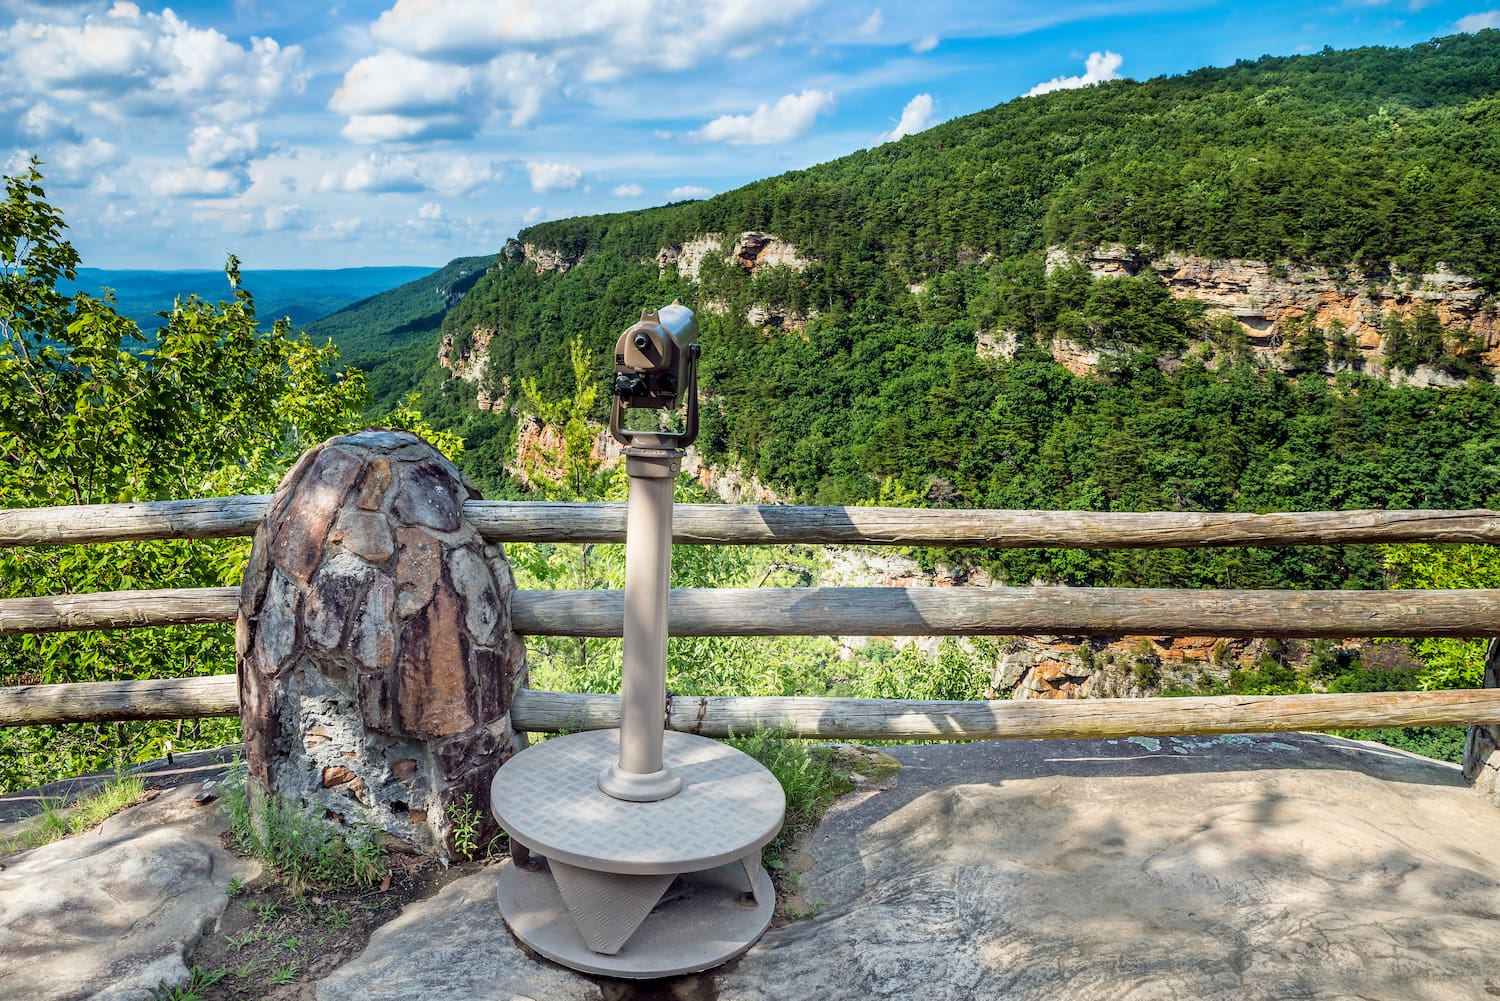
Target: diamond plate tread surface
(608, 906)
(548, 798)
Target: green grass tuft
(806, 774)
(302, 849)
(61, 818)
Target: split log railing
(836, 611)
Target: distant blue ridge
(303, 295)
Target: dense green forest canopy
(1361, 157)
(388, 336)
(1367, 158)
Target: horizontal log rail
(973, 611)
(118, 610)
(717, 524)
(874, 611)
(99, 701)
(830, 718)
(896, 719)
(205, 518)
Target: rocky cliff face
(544, 258)
(540, 447)
(1266, 299)
(752, 251)
(471, 364)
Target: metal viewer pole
(655, 365)
(639, 774)
(620, 817)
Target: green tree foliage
(89, 414)
(569, 470)
(1450, 663)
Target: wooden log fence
(874, 611)
(827, 718)
(834, 611)
(95, 701)
(118, 610)
(717, 524)
(1024, 719)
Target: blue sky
(372, 132)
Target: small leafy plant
(465, 820)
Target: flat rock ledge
(1240, 867)
(111, 914)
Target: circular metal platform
(548, 798)
(637, 889)
(703, 920)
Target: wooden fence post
(1481, 762)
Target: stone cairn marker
(376, 658)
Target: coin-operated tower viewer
(644, 842)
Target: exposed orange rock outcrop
(1264, 299)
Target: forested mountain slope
(887, 326)
(388, 335)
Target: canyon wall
(1266, 299)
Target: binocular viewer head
(654, 359)
(656, 367)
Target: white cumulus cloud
(379, 173)
(283, 218)
(925, 44)
(871, 25)
(430, 210)
(916, 116)
(689, 191)
(789, 118)
(217, 146)
(370, 129)
(549, 176)
(460, 175)
(1099, 66)
(628, 191)
(79, 159)
(375, 174)
(200, 182)
(393, 96)
(43, 121)
(1479, 20)
(607, 37)
(125, 63)
(463, 62)
(396, 83)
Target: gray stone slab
(455, 947)
(111, 914)
(1286, 866)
